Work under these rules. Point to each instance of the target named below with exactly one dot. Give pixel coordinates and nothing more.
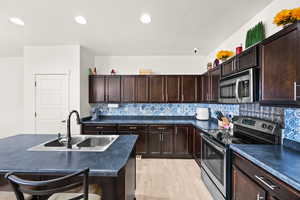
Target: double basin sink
(88, 143)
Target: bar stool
(55, 189)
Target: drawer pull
(160, 128)
(132, 128)
(262, 180)
(99, 127)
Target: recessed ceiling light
(145, 18)
(80, 20)
(16, 21)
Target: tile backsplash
(163, 109)
(289, 118)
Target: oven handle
(217, 147)
(237, 90)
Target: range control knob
(270, 127)
(264, 126)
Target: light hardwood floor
(170, 179)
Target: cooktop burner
(224, 137)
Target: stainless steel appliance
(242, 87)
(215, 157)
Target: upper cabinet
(142, 89)
(247, 59)
(113, 88)
(280, 67)
(127, 89)
(213, 84)
(96, 89)
(173, 93)
(189, 88)
(157, 89)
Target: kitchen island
(114, 170)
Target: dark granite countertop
(280, 161)
(15, 157)
(203, 125)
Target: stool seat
(12, 196)
(66, 196)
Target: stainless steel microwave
(242, 87)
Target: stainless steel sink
(79, 143)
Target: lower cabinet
(182, 140)
(161, 141)
(197, 146)
(250, 182)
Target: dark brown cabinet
(246, 189)
(189, 88)
(173, 93)
(182, 140)
(157, 89)
(228, 67)
(213, 84)
(141, 131)
(161, 140)
(94, 129)
(142, 89)
(197, 146)
(248, 58)
(280, 67)
(252, 182)
(96, 89)
(113, 88)
(127, 89)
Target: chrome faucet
(69, 137)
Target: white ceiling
(114, 28)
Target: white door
(51, 103)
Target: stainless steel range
(215, 156)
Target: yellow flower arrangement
(287, 16)
(224, 54)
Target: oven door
(214, 162)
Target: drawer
(274, 186)
(132, 128)
(161, 128)
(99, 128)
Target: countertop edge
(269, 169)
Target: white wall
(87, 60)
(158, 64)
(11, 101)
(266, 16)
(50, 60)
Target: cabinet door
(280, 61)
(167, 142)
(182, 140)
(188, 88)
(247, 59)
(96, 89)
(142, 89)
(173, 94)
(113, 89)
(157, 89)
(205, 87)
(197, 145)
(128, 89)
(154, 142)
(214, 79)
(228, 67)
(199, 89)
(244, 188)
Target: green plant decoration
(255, 35)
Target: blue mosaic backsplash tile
(163, 109)
(288, 117)
(292, 124)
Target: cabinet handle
(160, 128)
(295, 91)
(261, 179)
(258, 197)
(132, 128)
(162, 137)
(99, 127)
